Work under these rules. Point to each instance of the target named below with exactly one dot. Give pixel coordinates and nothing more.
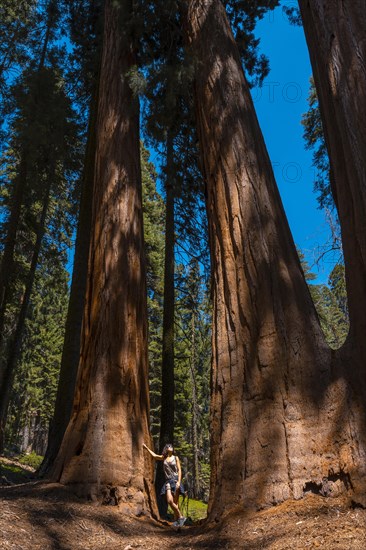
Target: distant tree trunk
(7, 263)
(16, 339)
(39, 436)
(335, 33)
(284, 420)
(167, 382)
(196, 471)
(71, 348)
(101, 455)
(167, 367)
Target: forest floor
(39, 516)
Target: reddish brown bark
(285, 417)
(335, 33)
(101, 454)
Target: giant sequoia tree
(287, 413)
(101, 454)
(335, 34)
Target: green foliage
(243, 16)
(136, 81)
(331, 299)
(31, 459)
(196, 510)
(17, 23)
(192, 374)
(308, 274)
(330, 302)
(36, 379)
(84, 29)
(12, 469)
(314, 140)
(192, 303)
(44, 152)
(154, 212)
(293, 14)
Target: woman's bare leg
(173, 504)
(176, 497)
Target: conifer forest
(159, 321)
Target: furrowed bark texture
(336, 37)
(101, 454)
(281, 419)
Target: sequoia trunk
(335, 33)
(281, 422)
(101, 454)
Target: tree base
(130, 500)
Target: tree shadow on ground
(54, 517)
(50, 517)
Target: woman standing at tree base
(173, 475)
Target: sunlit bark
(101, 454)
(284, 418)
(335, 33)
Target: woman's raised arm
(154, 455)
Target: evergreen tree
(19, 26)
(193, 357)
(333, 317)
(314, 139)
(36, 378)
(84, 24)
(39, 190)
(330, 302)
(154, 215)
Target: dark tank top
(171, 468)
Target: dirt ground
(39, 516)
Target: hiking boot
(176, 523)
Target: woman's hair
(165, 450)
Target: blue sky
(280, 104)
